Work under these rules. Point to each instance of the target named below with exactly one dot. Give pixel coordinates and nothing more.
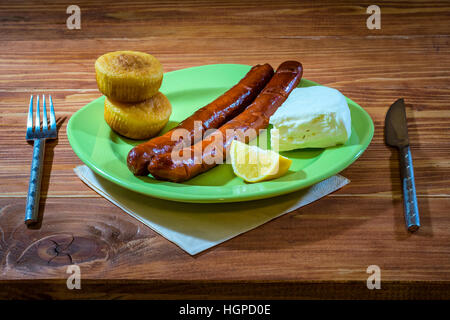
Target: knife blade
(396, 135)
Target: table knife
(396, 135)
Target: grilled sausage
(211, 116)
(191, 163)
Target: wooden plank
(328, 239)
(226, 19)
(207, 290)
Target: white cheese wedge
(313, 117)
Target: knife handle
(409, 190)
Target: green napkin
(197, 227)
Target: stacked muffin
(130, 80)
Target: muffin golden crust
(128, 76)
(141, 120)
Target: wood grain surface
(319, 251)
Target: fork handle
(34, 187)
(409, 190)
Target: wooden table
(319, 251)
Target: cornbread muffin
(128, 76)
(141, 120)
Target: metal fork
(39, 136)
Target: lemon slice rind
(253, 164)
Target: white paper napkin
(197, 227)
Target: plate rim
(255, 195)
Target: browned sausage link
(255, 117)
(212, 116)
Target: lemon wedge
(254, 164)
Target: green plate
(105, 152)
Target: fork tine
(30, 116)
(52, 115)
(37, 124)
(44, 120)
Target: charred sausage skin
(211, 116)
(255, 117)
